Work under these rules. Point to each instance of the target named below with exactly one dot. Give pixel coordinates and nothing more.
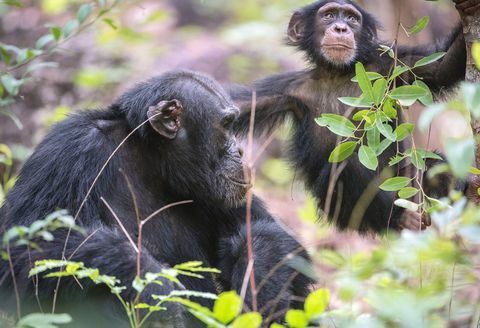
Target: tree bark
(471, 31)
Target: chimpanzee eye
(329, 15)
(352, 19)
(227, 121)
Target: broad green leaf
(44, 40)
(420, 25)
(110, 23)
(408, 92)
(386, 130)
(355, 102)
(383, 145)
(338, 124)
(389, 108)
(363, 82)
(428, 99)
(429, 154)
(368, 157)
(476, 53)
(403, 131)
(429, 59)
(379, 90)
(342, 151)
(395, 184)
(83, 12)
(227, 307)
(373, 138)
(474, 170)
(69, 27)
(56, 32)
(44, 320)
(372, 76)
(11, 84)
(460, 155)
(317, 302)
(248, 320)
(296, 319)
(407, 192)
(360, 115)
(407, 204)
(399, 70)
(417, 159)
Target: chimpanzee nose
(340, 28)
(240, 151)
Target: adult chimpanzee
(185, 151)
(334, 35)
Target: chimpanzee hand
(467, 6)
(414, 221)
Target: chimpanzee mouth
(338, 45)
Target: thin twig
(120, 224)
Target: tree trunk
(471, 31)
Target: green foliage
(43, 320)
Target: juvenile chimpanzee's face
(202, 154)
(337, 27)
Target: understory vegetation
(428, 278)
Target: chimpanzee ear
(165, 117)
(296, 27)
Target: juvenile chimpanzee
(334, 35)
(185, 151)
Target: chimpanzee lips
(337, 45)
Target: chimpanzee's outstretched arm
(279, 285)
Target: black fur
(192, 166)
(304, 95)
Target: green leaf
(408, 92)
(342, 151)
(373, 137)
(428, 99)
(338, 124)
(403, 131)
(296, 319)
(83, 12)
(56, 32)
(379, 90)
(407, 192)
(460, 154)
(399, 70)
(420, 25)
(11, 84)
(69, 27)
(44, 320)
(407, 204)
(110, 23)
(316, 302)
(227, 306)
(44, 40)
(471, 97)
(417, 160)
(248, 320)
(429, 59)
(372, 76)
(360, 115)
(396, 159)
(476, 53)
(355, 102)
(385, 129)
(389, 108)
(363, 82)
(395, 184)
(383, 145)
(368, 157)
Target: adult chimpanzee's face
(203, 154)
(329, 32)
(337, 27)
